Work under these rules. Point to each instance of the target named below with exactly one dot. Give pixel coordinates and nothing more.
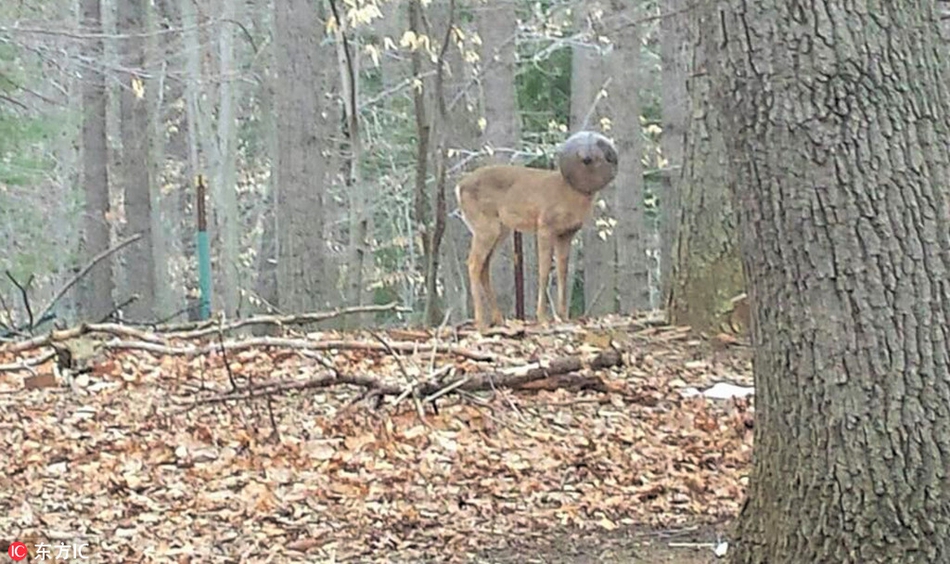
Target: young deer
(554, 204)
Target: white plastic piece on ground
(722, 390)
(721, 549)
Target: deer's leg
(545, 244)
(484, 240)
(562, 255)
(496, 317)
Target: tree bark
(301, 165)
(838, 117)
(497, 25)
(95, 290)
(588, 77)
(676, 41)
(630, 240)
(707, 269)
(135, 168)
(224, 187)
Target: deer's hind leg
(486, 235)
(496, 317)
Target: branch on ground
(561, 372)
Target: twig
(224, 359)
(111, 314)
(562, 368)
(65, 334)
(27, 363)
(201, 329)
(304, 344)
(95, 260)
(24, 295)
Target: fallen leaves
(314, 474)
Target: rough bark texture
(95, 290)
(301, 165)
(838, 116)
(675, 55)
(707, 269)
(135, 172)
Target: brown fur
(554, 204)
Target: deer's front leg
(562, 254)
(545, 244)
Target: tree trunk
(358, 232)
(588, 77)
(838, 117)
(497, 25)
(675, 54)
(225, 203)
(135, 170)
(630, 240)
(707, 268)
(301, 165)
(95, 290)
(155, 100)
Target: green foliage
(544, 94)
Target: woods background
(323, 146)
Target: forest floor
(530, 445)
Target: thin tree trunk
(421, 211)
(497, 24)
(676, 43)
(155, 101)
(225, 185)
(95, 290)
(838, 117)
(348, 61)
(588, 77)
(137, 184)
(632, 236)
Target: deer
(496, 199)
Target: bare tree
(835, 121)
(301, 164)
(95, 291)
(135, 168)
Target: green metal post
(204, 253)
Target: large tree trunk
(95, 290)
(838, 119)
(137, 184)
(675, 54)
(301, 165)
(707, 269)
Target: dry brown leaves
(113, 459)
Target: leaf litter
(128, 458)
